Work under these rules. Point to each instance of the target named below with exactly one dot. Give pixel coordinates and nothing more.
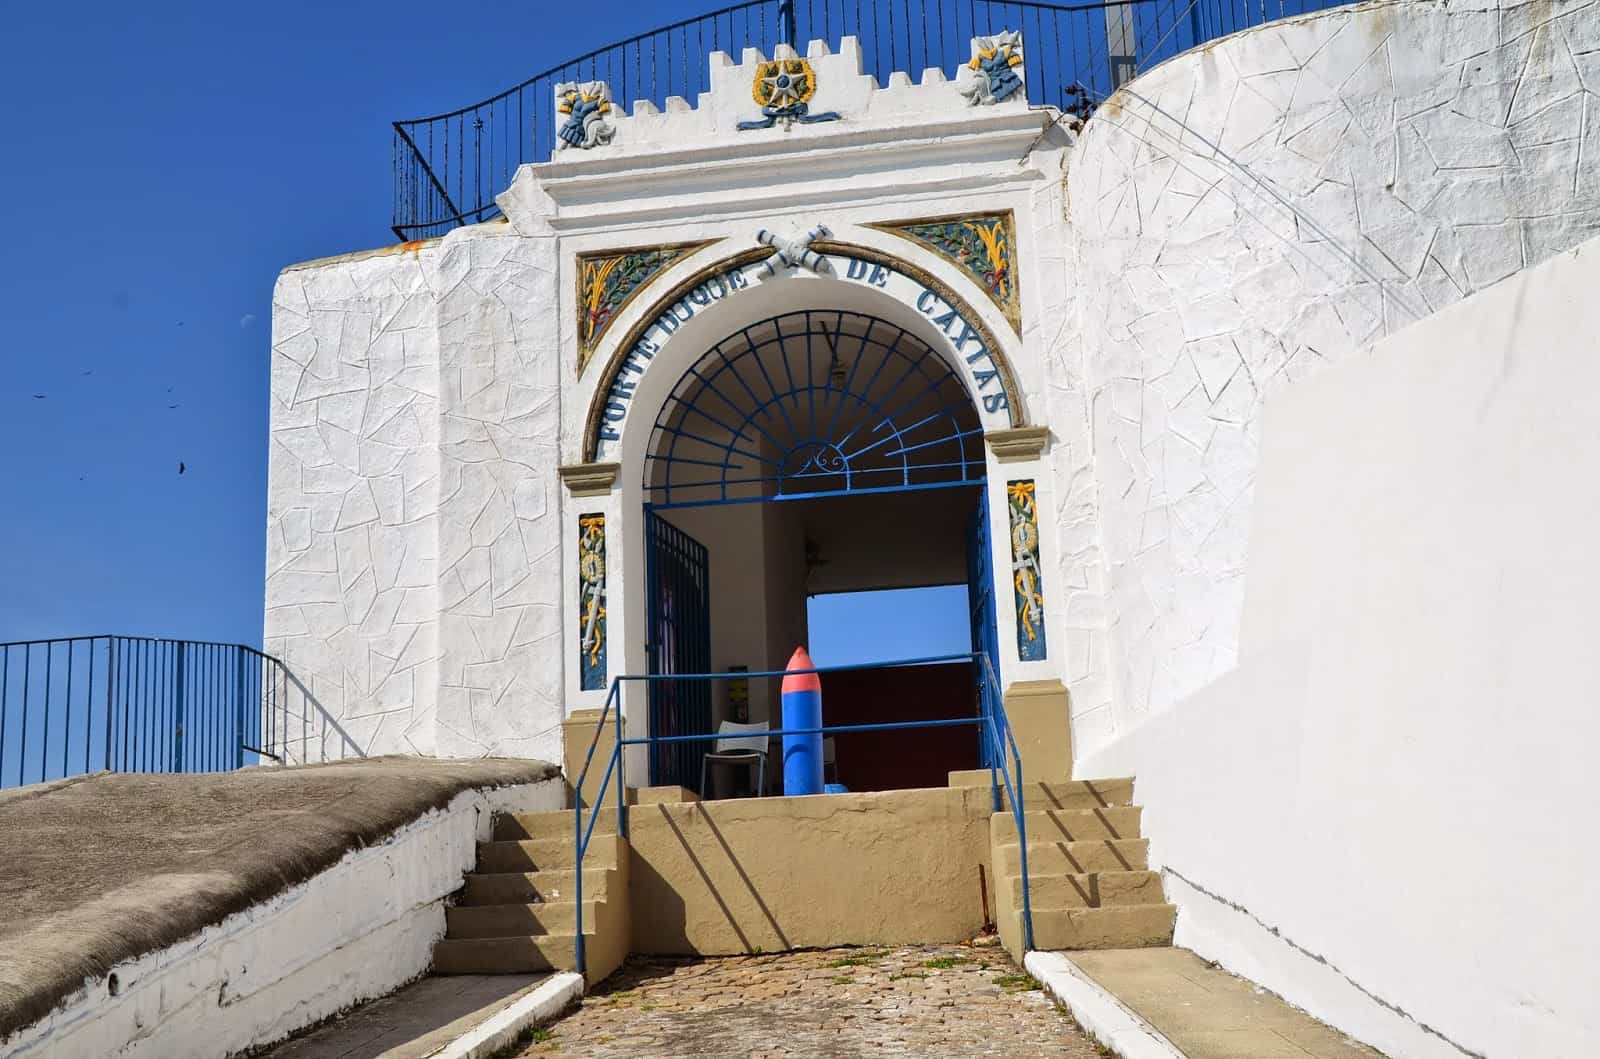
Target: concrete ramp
(207, 914)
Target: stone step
(1069, 794)
(543, 854)
(1075, 858)
(1101, 889)
(518, 921)
(1072, 825)
(522, 955)
(542, 887)
(511, 827)
(1116, 927)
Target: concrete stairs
(1089, 877)
(517, 913)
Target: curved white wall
(1384, 812)
(1255, 209)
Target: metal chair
(731, 748)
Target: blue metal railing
(449, 167)
(1002, 756)
(84, 704)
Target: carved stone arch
(966, 308)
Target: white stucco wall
(356, 931)
(1257, 209)
(1384, 812)
(500, 533)
(353, 494)
(413, 578)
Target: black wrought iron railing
(449, 167)
(139, 704)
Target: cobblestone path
(945, 1001)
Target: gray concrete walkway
(1208, 1013)
(413, 1023)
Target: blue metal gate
(813, 403)
(680, 642)
(981, 605)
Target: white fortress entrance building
(741, 366)
(653, 367)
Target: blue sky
(163, 162)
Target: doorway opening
(813, 455)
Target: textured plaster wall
(353, 493)
(356, 931)
(1384, 812)
(1250, 212)
(413, 578)
(500, 537)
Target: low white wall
(1385, 813)
(356, 931)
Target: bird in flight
(180, 466)
(38, 397)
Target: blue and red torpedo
(802, 708)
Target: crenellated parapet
(789, 94)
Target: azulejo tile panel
(608, 281)
(592, 601)
(984, 245)
(1026, 580)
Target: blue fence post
(178, 715)
(786, 22)
(5, 698)
(238, 707)
(577, 859)
(111, 705)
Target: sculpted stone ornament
(585, 107)
(997, 69)
(783, 89)
(794, 252)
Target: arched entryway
(814, 451)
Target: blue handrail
(79, 704)
(1004, 769)
(449, 167)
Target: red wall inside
(886, 761)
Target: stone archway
(748, 286)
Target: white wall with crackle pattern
(1225, 225)
(1250, 212)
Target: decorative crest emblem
(783, 89)
(995, 63)
(585, 107)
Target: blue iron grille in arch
(810, 403)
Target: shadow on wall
(771, 874)
(746, 890)
(299, 730)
